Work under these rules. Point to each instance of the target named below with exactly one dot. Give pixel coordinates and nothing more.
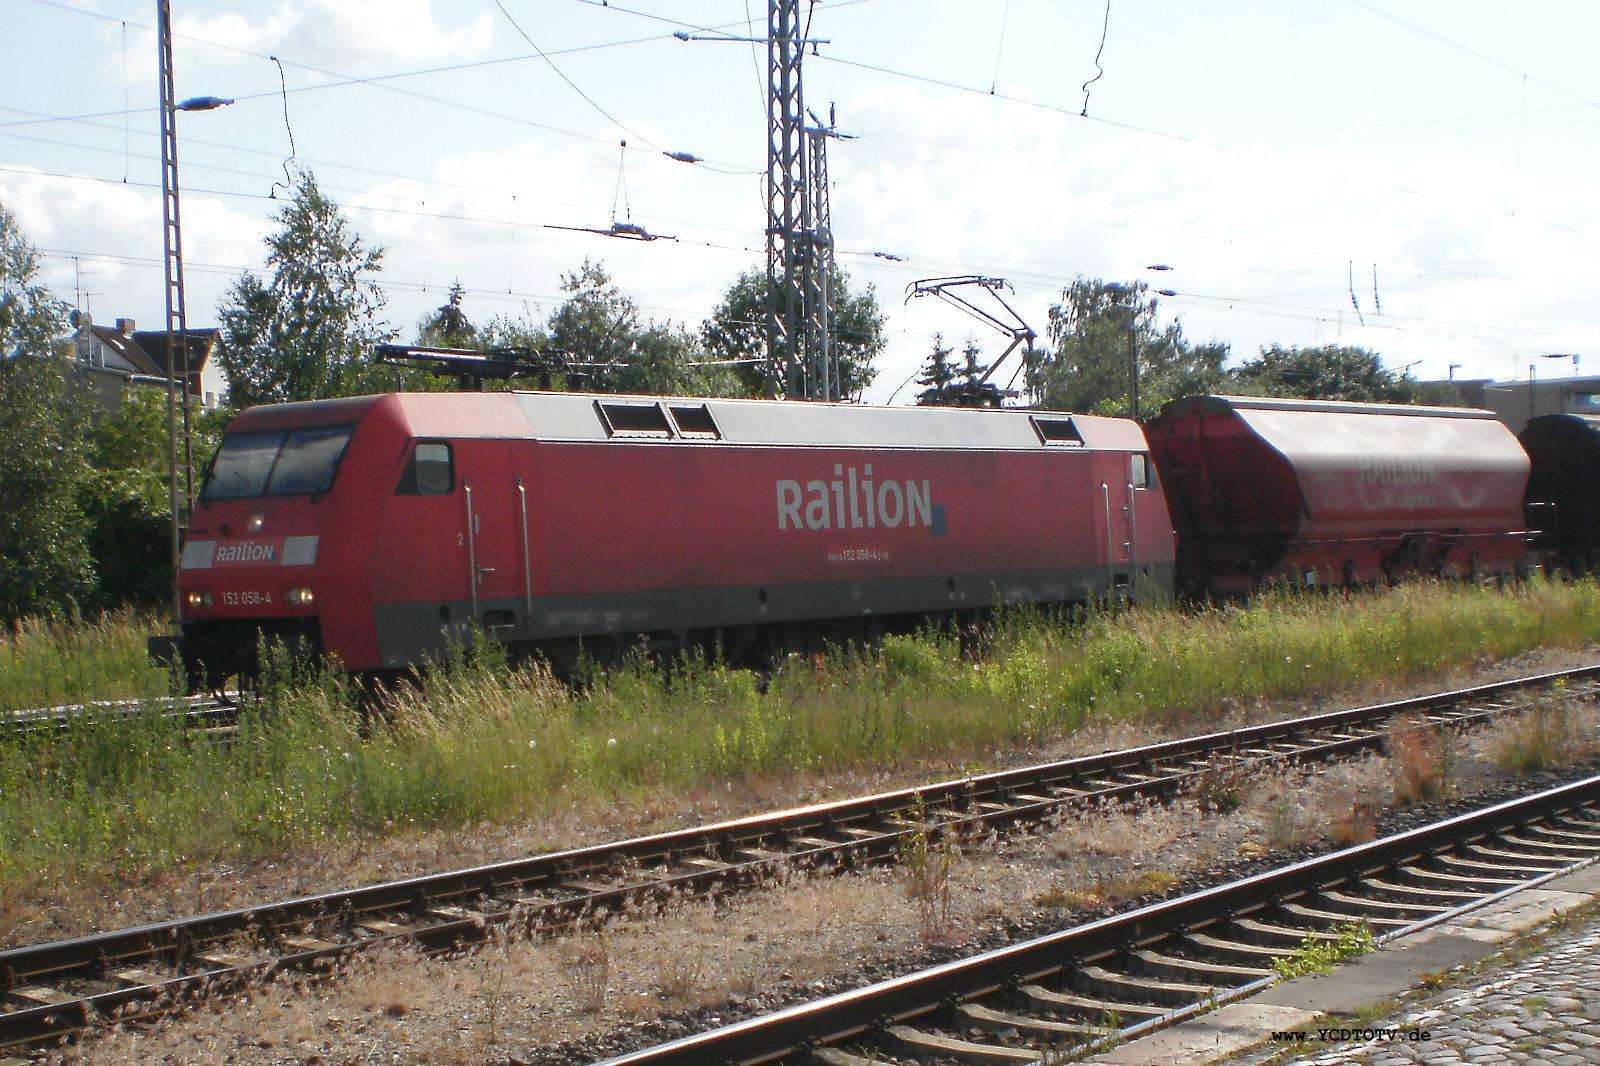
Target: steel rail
(196, 712)
(146, 969)
(876, 1009)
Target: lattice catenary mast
(177, 326)
(799, 224)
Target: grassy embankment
(97, 806)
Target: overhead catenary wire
(283, 91)
(283, 88)
(574, 86)
(1099, 71)
(382, 81)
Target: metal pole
(786, 182)
(169, 227)
(1133, 362)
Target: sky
(1403, 175)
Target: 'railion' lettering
(853, 500)
(248, 551)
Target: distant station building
(1515, 402)
(112, 359)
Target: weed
(1281, 823)
(1354, 822)
(492, 966)
(587, 961)
(1547, 733)
(926, 861)
(1414, 752)
(1219, 788)
(1315, 955)
(1535, 1004)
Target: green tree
(308, 332)
(938, 375)
(124, 498)
(609, 346)
(449, 326)
(44, 557)
(1327, 372)
(1097, 332)
(974, 391)
(737, 329)
(948, 383)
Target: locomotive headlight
(299, 597)
(255, 523)
(197, 599)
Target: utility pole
(799, 222)
(786, 199)
(172, 259)
(821, 362)
(800, 362)
(177, 332)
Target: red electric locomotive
(1322, 493)
(381, 527)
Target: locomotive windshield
(276, 462)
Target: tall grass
(477, 742)
(46, 663)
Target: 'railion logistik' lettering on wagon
(853, 500)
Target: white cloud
(1261, 238)
(346, 33)
(114, 231)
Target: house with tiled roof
(111, 359)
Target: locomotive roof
(589, 417)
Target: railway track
(52, 990)
(1118, 977)
(197, 712)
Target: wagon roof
(1318, 435)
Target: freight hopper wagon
(1321, 493)
(381, 528)
(1564, 488)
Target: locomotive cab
(260, 561)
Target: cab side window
(430, 471)
(1141, 473)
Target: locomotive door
(494, 534)
(1117, 501)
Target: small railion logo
(248, 551)
(853, 500)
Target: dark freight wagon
(1564, 489)
(378, 528)
(1321, 493)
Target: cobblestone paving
(1544, 1009)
